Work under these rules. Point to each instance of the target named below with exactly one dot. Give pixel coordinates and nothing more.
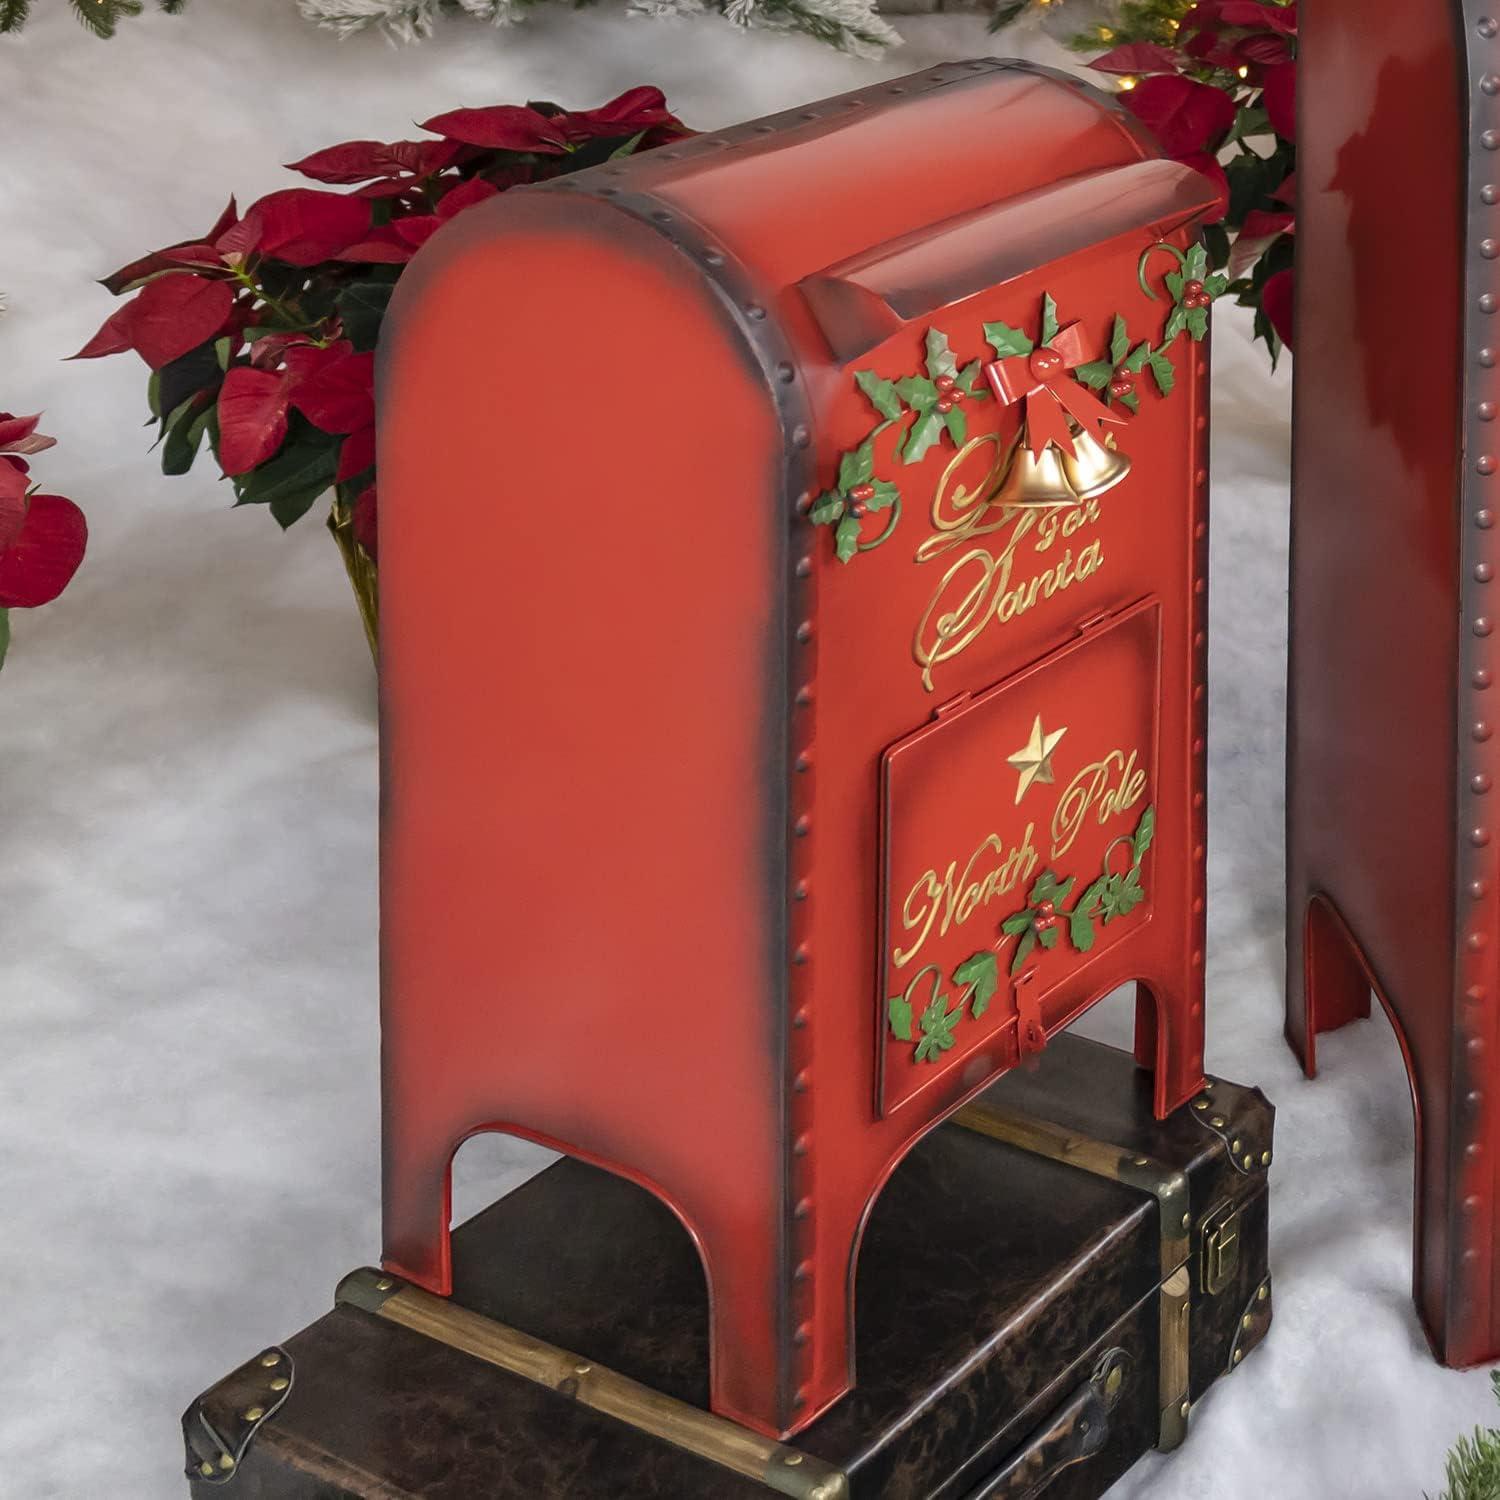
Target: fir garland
(100, 16)
(1473, 1469)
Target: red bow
(1043, 380)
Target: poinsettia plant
(42, 537)
(1216, 81)
(260, 333)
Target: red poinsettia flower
(1276, 301)
(42, 537)
(365, 524)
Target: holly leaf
(882, 393)
(918, 393)
(1081, 919)
(924, 432)
(1163, 372)
(1145, 831)
(1197, 323)
(1109, 896)
(1132, 402)
(1047, 887)
(1195, 268)
(886, 495)
(967, 378)
(1050, 324)
(1176, 322)
(937, 1023)
(1135, 361)
(1175, 281)
(899, 1010)
(1017, 922)
(1048, 937)
(957, 425)
(826, 509)
(1119, 341)
(1129, 896)
(1007, 341)
(1216, 285)
(1096, 374)
(982, 971)
(846, 538)
(1023, 950)
(857, 466)
(940, 360)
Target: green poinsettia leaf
(899, 1010)
(1163, 372)
(1047, 887)
(925, 431)
(4, 633)
(361, 307)
(221, 351)
(1096, 374)
(1017, 922)
(940, 360)
(1023, 950)
(886, 495)
(1175, 281)
(919, 393)
(1050, 324)
(827, 508)
(846, 538)
(1145, 831)
(1135, 361)
(185, 437)
(1195, 267)
(882, 393)
(1197, 323)
(153, 395)
(1119, 341)
(1007, 341)
(968, 380)
(982, 971)
(957, 425)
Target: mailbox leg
(1326, 982)
(417, 1210)
(1169, 1039)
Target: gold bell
(1036, 480)
(1093, 467)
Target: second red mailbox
(793, 549)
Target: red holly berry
(1044, 364)
(1192, 289)
(945, 404)
(1045, 924)
(945, 383)
(1045, 908)
(862, 492)
(1122, 385)
(859, 510)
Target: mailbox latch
(1031, 1034)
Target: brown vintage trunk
(1046, 1286)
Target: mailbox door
(1016, 832)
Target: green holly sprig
(856, 494)
(978, 977)
(1111, 895)
(1116, 375)
(1193, 290)
(936, 399)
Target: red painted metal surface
(662, 775)
(1391, 867)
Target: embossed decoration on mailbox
(812, 722)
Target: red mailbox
(1391, 859)
(811, 720)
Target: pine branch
(102, 16)
(1473, 1469)
(13, 14)
(850, 25)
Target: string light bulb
(1127, 83)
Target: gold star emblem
(1034, 759)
